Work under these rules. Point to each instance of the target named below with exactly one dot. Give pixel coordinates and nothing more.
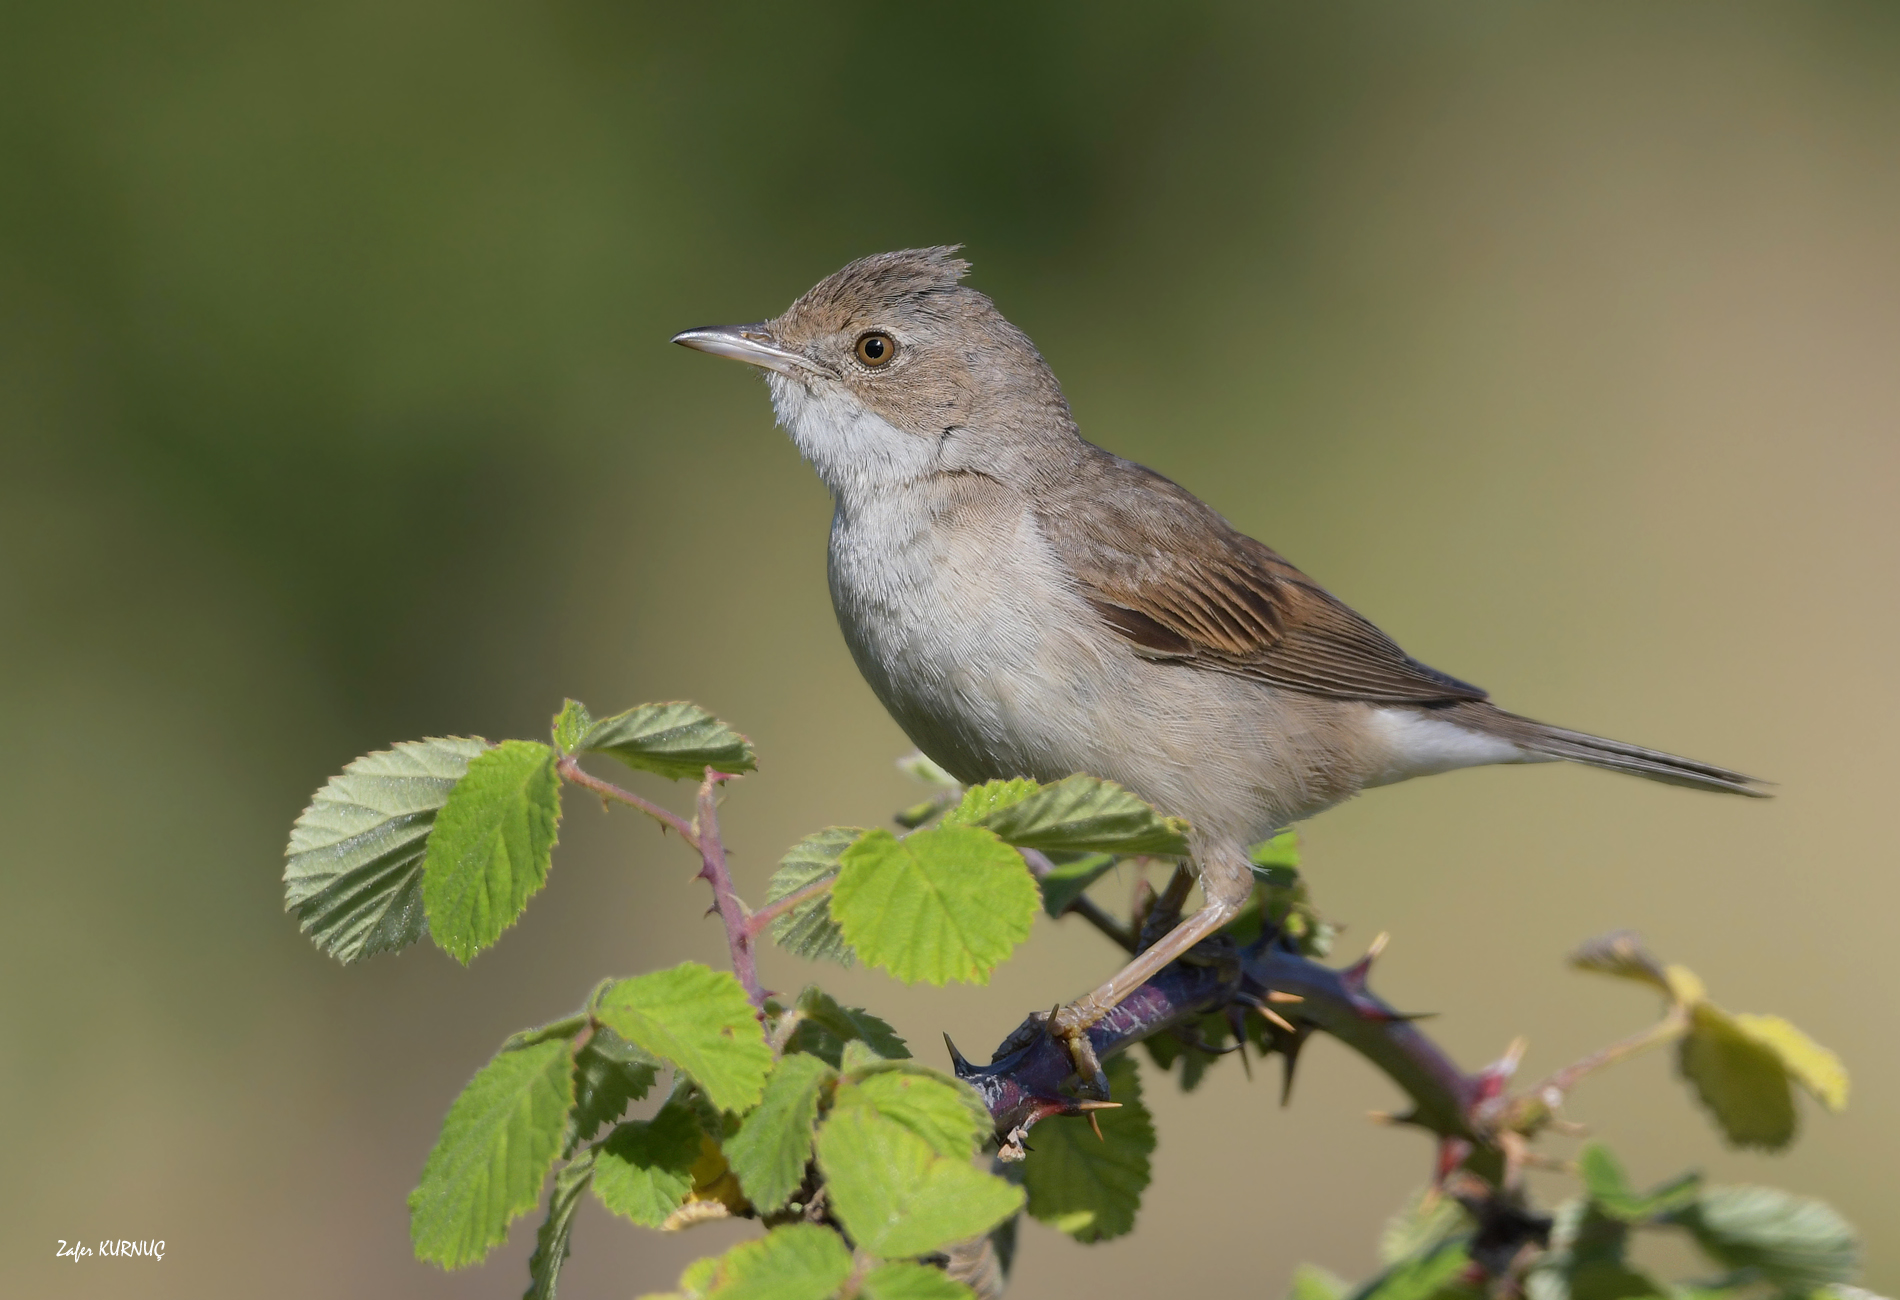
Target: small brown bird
(1027, 604)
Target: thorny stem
(570, 768)
(1477, 1122)
(712, 869)
(702, 836)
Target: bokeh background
(336, 408)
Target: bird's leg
(1228, 883)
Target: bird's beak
(751, 344)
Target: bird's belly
(961, 648)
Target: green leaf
(1088, 814)
(497, 1145)
(491, 845)
(919, 766)
(1794, 1242)
(906, 1281)
(1806, 1061)
(644, 1169)
(608, 1073)
(1424, 1223)
(677, 739)
(1421, 1278)
(857, 1057)
(979, 801)
(695, 1281)
(1196, 1061)
(698, 1019)
(1611, 1193)
(825, 1027)
(939, 905)
(918, 813)
(941, 1110)
(1066, 883)
(807, 930)
(1594, 1279)
(769, 1152)
(897, 1197)
(1311, 1282)
(1087, 1188)
(1740, 1079)
(1276, 861)
(1290, 907)
(1586, 1256)
(551, 1244)
(570, 724)
(354, 875)
(1621, 953)
(800, 1261)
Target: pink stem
(712, 869)
(779, 907)
(570, 768)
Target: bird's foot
(1070, 1026)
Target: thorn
(1289, 1057)
(1096, 1124)
(1355, 974)
(1276, 1018)
(1084, 1107)
(1237, 1025)
(1382, 1117)
(957, 1063)
(711, 911)
(1507, 1064)
(1275, 995)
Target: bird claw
(1091, 1080)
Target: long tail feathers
(1596, 751)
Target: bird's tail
(1547, 741)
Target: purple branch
(1024, 1082)
(712, 869)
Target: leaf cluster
(1743, 1068)
(1756, 1241)
(862, 1164)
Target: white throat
(855, 452)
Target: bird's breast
(952, 605)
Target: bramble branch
(732, 911)
(771, 912)
(569, 767)
(1478, 1124)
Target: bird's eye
(876, 348)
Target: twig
(1082, 905)
(779, 907)
(1538, 1105)
(712, 869)
(570, 768)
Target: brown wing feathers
(1174, 578)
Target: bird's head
(892, 368)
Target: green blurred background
(336, 408)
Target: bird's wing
(1174, 578)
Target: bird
(1027, 604)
